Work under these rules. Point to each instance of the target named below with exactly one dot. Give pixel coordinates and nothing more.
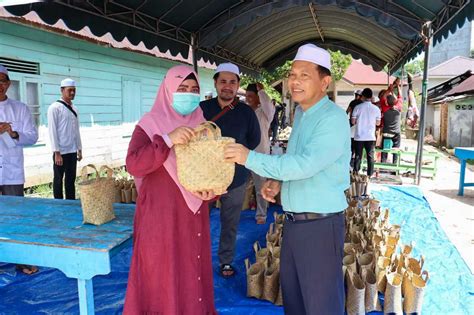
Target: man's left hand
(236, 153)
(79, 155)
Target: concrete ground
(455, 213)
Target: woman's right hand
(181, 135)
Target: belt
(292, 216)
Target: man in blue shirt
(236, 120)
(312, 175)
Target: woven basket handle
(256, 247)
(427, 276)
(110, 171)
(211, 128)
(84, 171)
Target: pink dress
(171, 268)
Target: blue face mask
(185, 103)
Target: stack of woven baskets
(375, 261)
(125, 190)
(263, 277)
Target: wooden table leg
(86, 296)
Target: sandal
(27, 269)
(227, 268)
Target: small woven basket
(97, 197)
(201, 164)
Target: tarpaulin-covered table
(463, 154)
(50, 233)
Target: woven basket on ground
(255, 275)
(201, 164)
(97, 197)
(414, 293)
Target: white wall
(461, 123)
(101, 145)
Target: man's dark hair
(391, 100)
(367, 93)
(216, 76)
(252, 87)
(381, 93)
(323, 72)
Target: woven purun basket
(97, 196)
(279, 299)
(355, 302)
(271, 282)
(393, 294)
(201, 164)
(262, 255)
(255, 275)
(372, 302)
(414, 293)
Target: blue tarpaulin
(450, 289)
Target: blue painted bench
(50, 233)
(463, 154)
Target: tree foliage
(415, 67)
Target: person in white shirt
(366, 117)
(63, 125)
(261, 103)
(17, 130)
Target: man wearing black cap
(366, 117)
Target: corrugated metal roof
(262, 33)
(358, 73)
(465, 87)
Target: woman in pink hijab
(171, 268)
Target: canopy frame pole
(194, 48)
(427, 34)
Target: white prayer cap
(314, 54)
(358, 92)
(68, 82)
(208, 93)
(228, 67)
(3, 70)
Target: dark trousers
(311, 266)
(231, 207)
(67, 171)
(369, 147)
(396, 144)
(274, 128)
(353, 150)
(12, 190)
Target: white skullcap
(208, 93)
(228, 67)
(3, 70)
(314, 54)
(358, 92)
(68, 82)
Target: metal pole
(401, 81)
(194, 48)
(427, 33)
